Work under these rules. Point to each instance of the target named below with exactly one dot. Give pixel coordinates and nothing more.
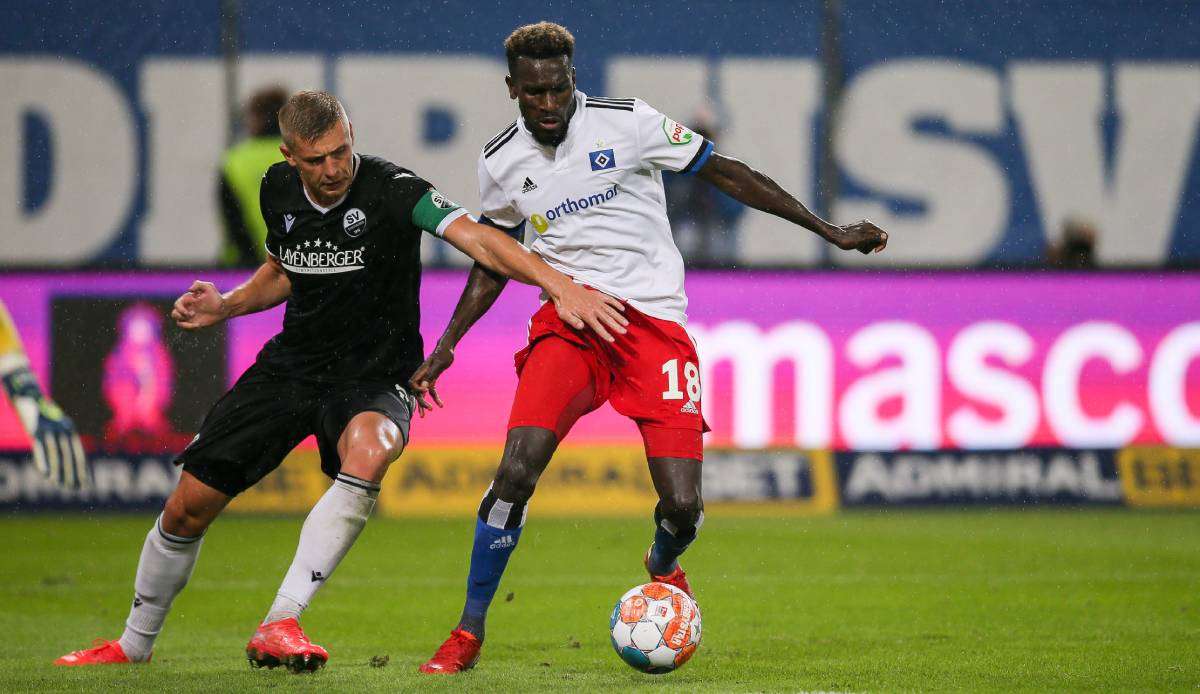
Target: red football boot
(284, 643)
(676, 578)
(457, 653)
(103, 653)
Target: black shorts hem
(207, 476)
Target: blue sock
(489, 556)
(669, 543)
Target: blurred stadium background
(1030, 338)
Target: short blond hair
(308, 115)
(541, 40)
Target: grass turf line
(980, 600)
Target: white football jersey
(596, 202)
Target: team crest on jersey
(354, 222)
(675, 132)
(602, 159)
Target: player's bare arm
(578, 306)
(497, 258)
(754, 188)
(482, 290)
(203, 305)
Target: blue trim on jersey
(516, 233)
(705, 152)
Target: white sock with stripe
(328, 533)
(163, 570)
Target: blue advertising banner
(957, 478)
(972, 131)
(120, 482)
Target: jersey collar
(325, 210)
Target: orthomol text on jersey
(570, 206)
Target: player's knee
(369, 463)
(526, 454)
(515, 480)
(682, 507)
(184, 519)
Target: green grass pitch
(932, 600)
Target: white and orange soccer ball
(655, 628)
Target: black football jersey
(355, 269)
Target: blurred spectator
(242, 169)
(1076, 246)
(703, 219)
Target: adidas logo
(689, 408)
(529, 186)
(503, 543)
(317, 576)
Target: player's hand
(863, 237)
(57, 451)
(424, 379)
(580, 307)
(201, 306)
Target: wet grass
(982, 600)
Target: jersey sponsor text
(322, 262)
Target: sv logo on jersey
(354, 222)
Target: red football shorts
(650, 374)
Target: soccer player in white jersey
(586, 174)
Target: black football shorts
(253, 427)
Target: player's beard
(543, 138)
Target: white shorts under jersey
(596, 201)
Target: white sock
(164, 569)
(330, 529)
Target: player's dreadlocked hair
(541, 40)
(308, 115)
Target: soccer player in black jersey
(344, 253)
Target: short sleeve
(494, 202)
(434, 212)
(411, 200)
(271, 218)
(667, 144)
(403, 189)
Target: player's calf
(677, 521)
(680, 509)
(527, 451)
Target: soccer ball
(655, 628)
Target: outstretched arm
(753, 188)
(202, 305)
(498, 257)
(577, 306)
